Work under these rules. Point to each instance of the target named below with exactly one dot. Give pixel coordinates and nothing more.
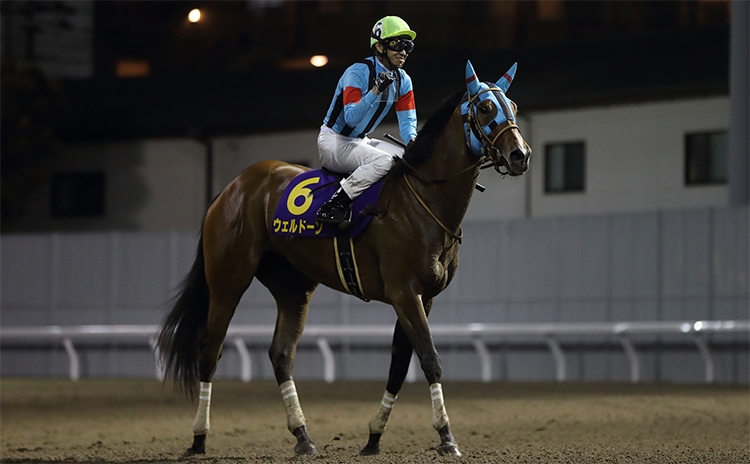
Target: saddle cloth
(306, 193)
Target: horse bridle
(485, 161)
(490, 152)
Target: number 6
(301, 190)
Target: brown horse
(406, 257)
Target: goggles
(397, 45)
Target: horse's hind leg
(221, 310)
(228, 274)
(292, 291)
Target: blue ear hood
(476, 135)
(472, 81)
(507, 79)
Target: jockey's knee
(384, 163)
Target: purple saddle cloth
(305, 194)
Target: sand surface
(127, 421)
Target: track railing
(474, 334)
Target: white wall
(634, 156)
(234, 154)
(149, 185)
(634, 160)
(634, 163)
(504, 198)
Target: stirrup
(330, 216)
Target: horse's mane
(424, 145)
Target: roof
(649, 67)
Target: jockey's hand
(383, 80)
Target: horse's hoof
(199, 446)
(448, 449)
(306, 449)
(370, 451)
(305, 446)
(373, 445)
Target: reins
(484, 161)
(421, 176)
(432, 215)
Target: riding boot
(337, 210)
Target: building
(626, 105)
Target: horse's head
(490, 128)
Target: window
(564, 165)
(78, 194)
(706, 156)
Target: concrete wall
(680, 265)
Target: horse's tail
(183, 329)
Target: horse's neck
(449, 200)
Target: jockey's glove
(384, 80)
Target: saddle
(295, 216)
(306, 193)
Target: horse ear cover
(472, 81)
(507, 79)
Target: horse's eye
(487, 111)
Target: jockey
(365, 93)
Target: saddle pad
(305, 194)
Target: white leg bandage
(201, 422)
(379, 420)
(294, 416)
(439, 416)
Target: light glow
(319, 61)
(194, 16)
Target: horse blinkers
(487, 119)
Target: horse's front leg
(401, 352)
(412, 317)
(400, 359)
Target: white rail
(474, 334)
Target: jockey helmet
(390, 26)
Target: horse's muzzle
(517, 161)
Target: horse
(406, 256)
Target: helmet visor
(397, 44)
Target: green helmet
(390, 26)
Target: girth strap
(346, 263)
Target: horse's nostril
(517, 156)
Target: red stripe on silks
(352, 95)
(406, 102)
(472, 78)
(510, 79)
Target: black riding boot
(337, 210)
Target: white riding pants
(367, 159)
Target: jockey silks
(355, 111)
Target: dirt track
(127, 421)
